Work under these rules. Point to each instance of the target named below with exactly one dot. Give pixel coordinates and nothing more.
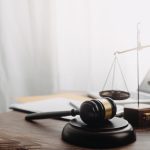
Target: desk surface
(46, 134)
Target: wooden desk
(46, 134)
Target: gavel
(91, 112)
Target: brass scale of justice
(120, 94)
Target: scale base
(138, 116)
(113, 133)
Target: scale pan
(115, 95)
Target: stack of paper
(52, 105)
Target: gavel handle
(46, 115)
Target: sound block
(113, 133)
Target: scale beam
(132, 49)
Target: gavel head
(97, 111)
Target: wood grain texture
(46, 134)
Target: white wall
(52, 45)
(89, 32)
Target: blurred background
(49, 46)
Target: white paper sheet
(51, 105)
